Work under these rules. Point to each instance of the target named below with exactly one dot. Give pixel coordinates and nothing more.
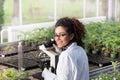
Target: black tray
(27, 63)
(15, 51)
(29, 60)
(100, 60)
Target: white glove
(47, 75)
(44, 72)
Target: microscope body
(53, 55)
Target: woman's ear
(71, 36)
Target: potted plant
(106, 49)
(114, 53)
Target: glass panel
(103, 7)
(118, 10)
(70, 8)
(8, 11)
(35, 11)
(90, 8)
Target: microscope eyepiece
(49, 43)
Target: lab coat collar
(69, 45)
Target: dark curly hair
(73, 25)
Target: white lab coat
(72, 65)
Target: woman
(73, 61)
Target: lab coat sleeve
(64, 68)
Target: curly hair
(73, 25)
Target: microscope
(50, 55)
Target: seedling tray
(29, 60)
(10, 49)
(100, 60)
(27, 63)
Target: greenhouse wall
(51, 10)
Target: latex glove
(44, 72)
(47, 75)
(57, 49)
